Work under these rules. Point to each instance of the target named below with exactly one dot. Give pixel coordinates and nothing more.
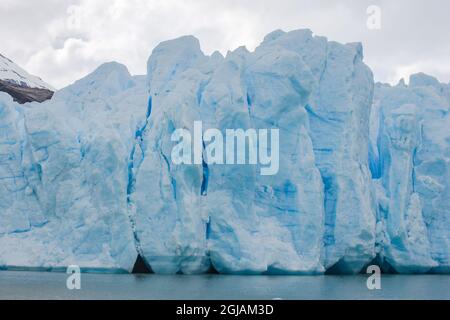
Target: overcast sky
(63, 40)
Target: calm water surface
(42, 285)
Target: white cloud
(438, 70)
(65, 40)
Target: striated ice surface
(317, 212)
(338, 112)
(64, 174)
(412, 170)
(88, 178)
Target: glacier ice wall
(411, 137)
(87, 178)
(308, 88)
(64, 174)
(339, 107)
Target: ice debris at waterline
(87, 178)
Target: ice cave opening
(141, 267)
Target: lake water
(42, 285)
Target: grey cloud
(414, 34)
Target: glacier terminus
(89, 177)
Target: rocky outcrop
(24, 94)
(21, 85)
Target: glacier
(64, 175)
(87, 178)
(410, 136)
